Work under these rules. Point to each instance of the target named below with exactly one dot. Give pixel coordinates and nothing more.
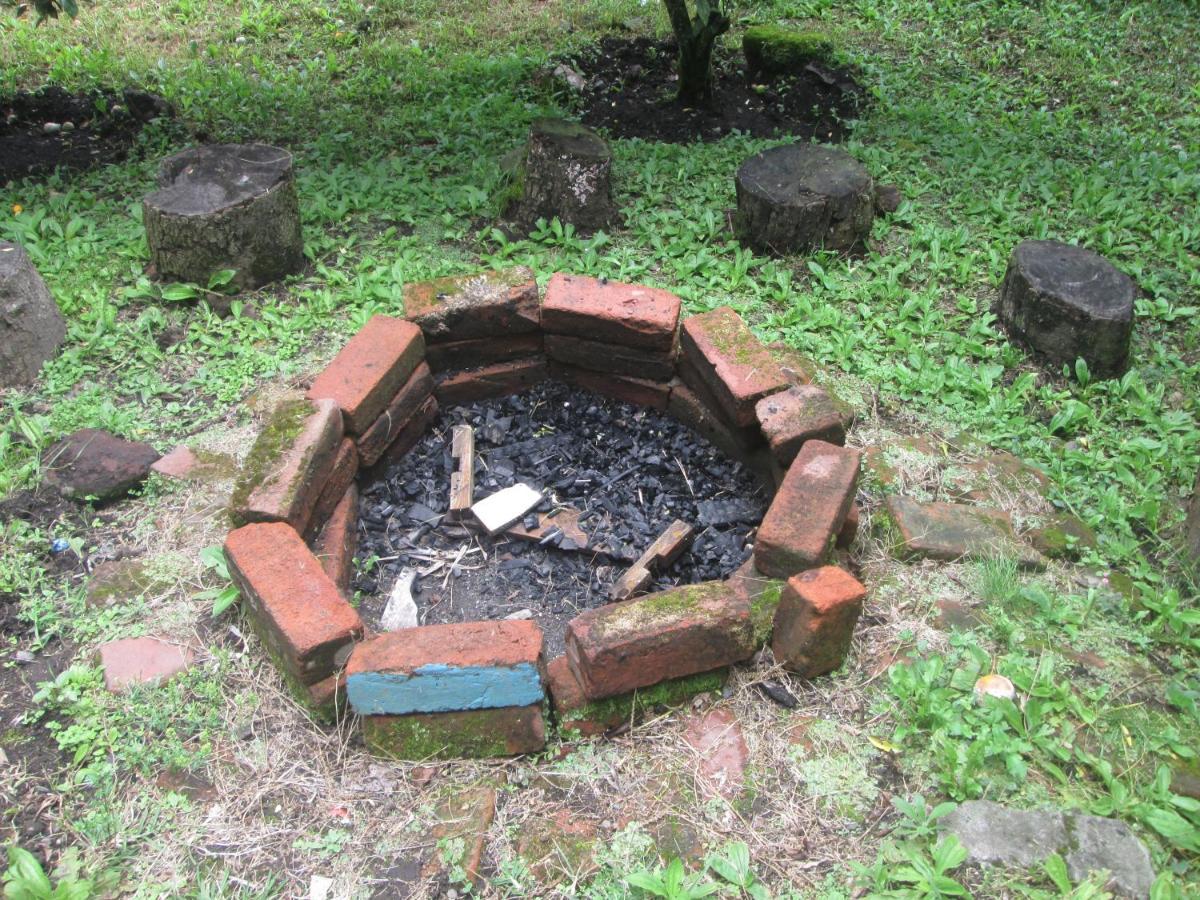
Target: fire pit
(577, 478)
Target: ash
(629, 470)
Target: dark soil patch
(92, 128)
(631, 87)
(630, 471)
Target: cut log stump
(225, 206)
(802, 197)
(566, 173)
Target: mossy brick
(791, 417)
(337, 541)
(462, 734)
(808, 511)
(459, 834)
(612, 312)
(575, 713)
(283, 475)
(761, 594)
(342, 472)
(730, 362)
(482, 351)
(402, 408)
(616, 359)
(1062, 536)
(325, 700)
(815, 621)
(689, 407)
(954, 531)
(638, 391)
(114, 582)
(797, 368)
(370, 369)
(619, 647)
(497, 380)
(299, 611)
(447, 668)
(411, 432)
(468, 307)
(777, 50)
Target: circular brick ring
(481, 688)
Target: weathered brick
(799, 414)
(638, 391)
(369, 370)
(808, 510)
(761, 594)
(483, 351)
(688, 407)
(815, 620)
(142, 660)
(467, 307)
(731, 363)
(338, 540)
(325, 700)
(849, 531)
(407, 403)
(342, 472)
(797, 368)
(497, 380)
(306, 624)
(462, 734)
(636, 643)
(575, 712)
(284, 474)
(407, 438)
(612, 312)
(446, 668)
(952, 531)
(616, 359)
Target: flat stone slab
(601, 310)
(995, 834)
(953, 531)
(185, 464)
(720, 751)
(448, 668)
(94, 463)
(731, 362)
(1066, 302)
(142, 660)
(31, 326)
(504, 302)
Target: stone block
(283, 476)
(306, 624)
(497, 380)
(808, 511)
(615, 359)
(94, 463)
(482, 351)
(402, 409)
(612, 312)
(790, 418)
(953, 531)
(638, 391)
(367, 372)
(462, 734)
(815, 621)
(447, 668)
(623, 646)
(730, 363)
(470, 307)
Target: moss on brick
(656, 610)
(672, 692)
(471, 734)
(775, 50)
(762, 611)
(278, 434)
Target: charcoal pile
(612, 478)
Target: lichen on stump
(803, 197)
(225, 206)
(566, 174)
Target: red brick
(797, 368)
(482, 352)
(760, 594)
(407, 403)
(719, 751)
(637, 391)
(467, 307)
(463, 734)
(500, 644)
(179, 463)
(730, 361)
(307, 625)
(342, 472)
(808, 510)
(326, 700)
(849, 532)
(614, 358)
(369, 370)
(687, 406)
(609, 311)
(498, 380)
(142, 660)
(815, 620)
(636, 643)
(284, 474)
(413, 430)
(799, 414)
(336, 544)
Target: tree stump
(31, 327)
(566, 173)
(1066, 303)
(225, 206)
(802, 197)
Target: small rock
(887, 198)
(51, 128)
(94, 463)
(995, 686)
(520, 615)
(570, 77)
(68, 127)
(24, 656)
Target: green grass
(999, 122)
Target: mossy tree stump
(803, 197)
(775, 50)
(225, 206)
(566, 173)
